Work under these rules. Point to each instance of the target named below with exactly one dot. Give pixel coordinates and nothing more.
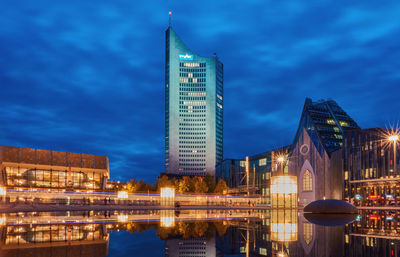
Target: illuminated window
(330, 121)
(346, 175)
(262, 162)
(344, 123)
(307, 181)
(307, 232)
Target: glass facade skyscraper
(193, 110)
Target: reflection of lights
(167, 221)
(284, 225)
(122, 218)
(284, 232)
(122, 195)
(167, 218)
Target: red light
(373, 196)
(373, 218)
(391, 162)
(170, 13)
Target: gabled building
(315, 156)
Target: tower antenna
(170, 18)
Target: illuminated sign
(186, 57)
(357, 197)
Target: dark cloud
(88, 76)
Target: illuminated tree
(200, 185)
(131, 186)
(221, 187)
(185, 185)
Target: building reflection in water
(200, 233)
(374, 233)
(54, 240)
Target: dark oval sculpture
(331, 206)
(330, 220)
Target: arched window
(307, 181)
(307, 232)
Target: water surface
(198, 233)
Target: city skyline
(72, 87)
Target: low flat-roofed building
(46, 169)
(259, 167)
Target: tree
(142, 186)
(131, 186)
(185, 185)
(200, 185)
(210, 182)
(221, 187)
(163, 181)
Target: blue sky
(88, 76)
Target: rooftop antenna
(169, 13)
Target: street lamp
(394, 138)
(281, 160)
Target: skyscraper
(193, 109)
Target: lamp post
(394, 138)
(281, 159)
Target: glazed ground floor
(373, 192)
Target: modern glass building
(260, 168)
(193, 110)
(27, 168)
(370, 165)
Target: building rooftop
(326, 121)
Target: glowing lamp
(393, 138)
(283, 192)
(167, 195)
(122, 218)
(281, 159)
(3, 191)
